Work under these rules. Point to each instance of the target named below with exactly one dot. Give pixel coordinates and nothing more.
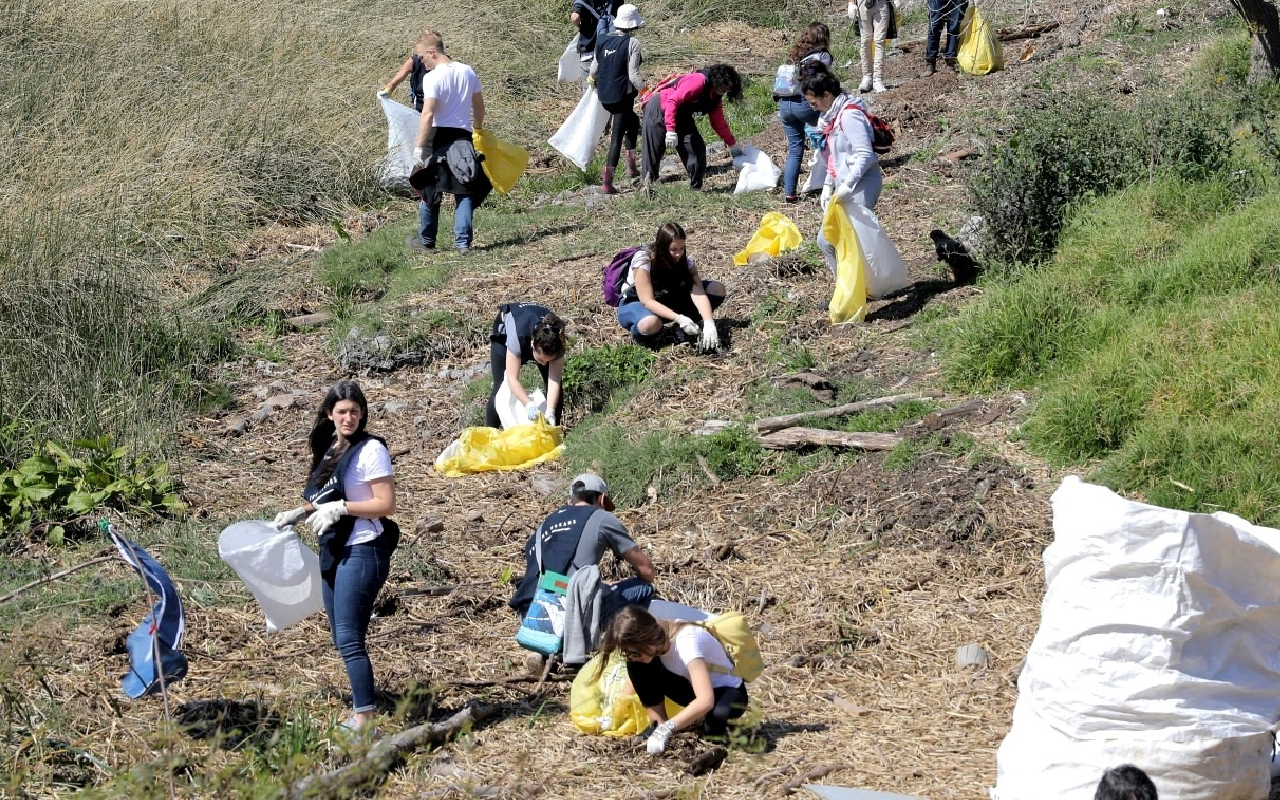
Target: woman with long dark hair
(524, 332)
(663, 285)
(668, 119)
(349, 496)
(794, 112)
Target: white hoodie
(852, 162)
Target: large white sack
(578, 136)
(510, 410)
(1159, 645)
(756, 171)
(402, 131)
(570, 68)
(817, 172)
(885, 272)
(282, 573)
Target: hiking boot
(930, 67)
(865, 86)
(606, 180)
(877, 86)
(952, 63)
(791, 199)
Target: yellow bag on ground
(503, 162)
(849, 301)
(607, 705)
(980, 49)
(776, 233)
(490, 449)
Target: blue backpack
(615, 274)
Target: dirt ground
(861, 581)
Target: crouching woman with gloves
(663, 285)
(349, 495)
(525, 332)
(680, 661)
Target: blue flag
(160, 634)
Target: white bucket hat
(627, 18)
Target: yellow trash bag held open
(503, 162)
(776, 233)
(492, 449)
(980, 49)
(849, 301)
(606, 705)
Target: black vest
(613, 79)
(527, 316)
(560, 531)
(415, 81)
(332, 541)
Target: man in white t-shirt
(452, 107)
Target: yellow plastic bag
(503, 162)
(607, 705)
(849, 301)
(980, 50)
(490, 449)
(776, 233)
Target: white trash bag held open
(282, 573)
(402, 131)
(578, 136)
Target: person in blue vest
(616, 73)
(524, 332)
(576, 536)
(413, 68)
(349, 497)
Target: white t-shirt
(371, 462)
(695, 641)
(451, 85)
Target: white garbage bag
(570, 68)
(578, 136)
(756, 171)
(282, 573)
(885, 271)
(510, 410)
(1157, 646)
(402, 131)
(817, 172)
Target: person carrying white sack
(524, 332)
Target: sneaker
(415, 243)
(865, 86)
(878, 86)
(463, 250)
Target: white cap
(587, 482)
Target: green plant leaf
(83, 502)
(34, 494)
(56, 535)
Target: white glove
(843, 192)
(671, 139)
(384, 93)
(326, 514)
(534, 409)
(551, 418)
(736, 150)
(710, 336)
(287, 519)
(687, 325)
(658, 739)
(825, 200)
(419, 155)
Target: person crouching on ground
(662, 285)
(524, 332)
(616, 72)
(668, 119)
(350, 495)
(680, 661)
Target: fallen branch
(437, 591)
(937, 419)
(812, 775)
(386, 754)
(777, 773)
(510, 680)
(55, 576)
(791, 438)
(786, 421)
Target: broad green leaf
(82, 502)
(34, 494)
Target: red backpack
(882, 136)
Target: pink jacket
(692, 90)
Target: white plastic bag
(756, 171)
(1157, 646)
(402, 132)
(510, 410)
(817, 172)
(570, 69)
(577, 138)
(282, 573)
(885, 271)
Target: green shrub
(361, 270)
(592, 376)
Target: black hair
(548, 336)
(725, 75)
(817, 80)
(1125, 782)
(323, 431)
(586, 496)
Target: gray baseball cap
(588, 482)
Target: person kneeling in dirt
(574, 538)
(682, 661)
(524, 332)
(662, 285)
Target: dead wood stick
(778, 773)
(787, 420)
(936, 419)
(791, 438)
(1003, 34)
(812, 775)
(55, 576)
(706, 470)
(512, 679)
(437, 591)
(384, 755)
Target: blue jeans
(429, 220)
(633, 591)
(349, 591)
(631, 313)
(953, 12)
(795, 114)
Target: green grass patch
(362, 270)
(592, 376)
(910, 453)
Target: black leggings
(653, 683)
(626, 127)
